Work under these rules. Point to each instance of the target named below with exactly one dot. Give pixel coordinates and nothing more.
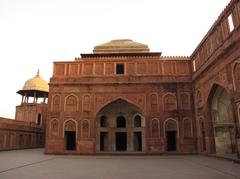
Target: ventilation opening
(119, 69)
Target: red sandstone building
(124, 98)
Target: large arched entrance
(120, 128)
(222, 120)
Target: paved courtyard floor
(33, 164)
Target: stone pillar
(34, 97)
(22, 99)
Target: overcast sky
(34, 33)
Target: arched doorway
(222, 120)
(120, 128)
(171, 134)
(70, 135)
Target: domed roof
(121, 46)
(35, 84)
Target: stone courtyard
(32, 163)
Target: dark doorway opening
(137, 141)
(103, 141)
(203, 141)
(70, 140)
(171, 140)
(121, 141)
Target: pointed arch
(219, 103)
(175, 125)
(56, 102)
(185, 101)
(141, 117)
(154, 102)
(220, 120)
(71, 102)
(187, 126)
(86, 103)
(199, 98)
(236, 75)
(70, 125)
(155, 128)
(85, 132)
(169, 102)
(54, 127)
(116, 99)
(121, 131)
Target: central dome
(121, 46)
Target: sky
(35, 33)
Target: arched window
(187, 128)
(56, 102)
(185, 102)
(237, 76)
(199, 98)
(103, 121)
(85, 128)
(54, 128)
(154, 100)
(155, 128)
(121, 122)
(170, 102)
(71, 103)
(137, 121)
(86, 102)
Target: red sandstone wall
(19, 135)
(28, 112)
(217, 62)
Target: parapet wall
(20, 135)
(222, 35)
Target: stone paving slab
(32, 163)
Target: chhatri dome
(35, 84)
(121, 46)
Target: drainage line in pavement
(27, 165)
(207, 166)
